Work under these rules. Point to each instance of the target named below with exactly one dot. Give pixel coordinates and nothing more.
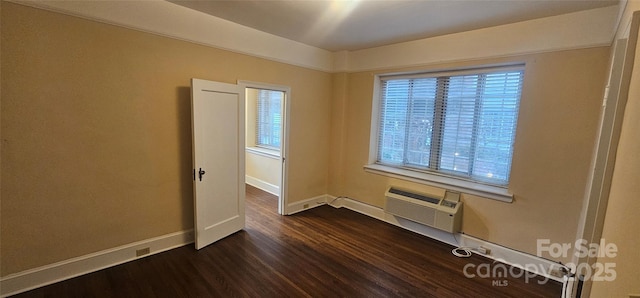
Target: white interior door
(218, 160)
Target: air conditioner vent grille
(414, 196)
(443, 214)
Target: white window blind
(269, 119)
(460, 125)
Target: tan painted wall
(251, 97)
(556, 132)
(263, 168)
(621, 219)
(338, 132)
(96, 133)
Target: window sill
(275, 154)
(481, 190)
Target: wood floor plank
(322, 252)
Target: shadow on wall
(471, 217)
(185, 152)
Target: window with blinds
(456, 124)
(269, 119)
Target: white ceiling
(337, 25)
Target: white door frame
(591, 223)
(284, 149)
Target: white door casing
(218, 160)
(284, 145)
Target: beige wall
(556, 132)
(96, 133)
(263, 168)
(251, 97)
(621, 219)
(338, 142)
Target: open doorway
(266, 138)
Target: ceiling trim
(584, 29)
(171, 20)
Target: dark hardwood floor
(322, 252)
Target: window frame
(258, 121)
(437, 179)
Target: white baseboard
(305, 204)
(261, 184)
(49, 274)
(531, 263)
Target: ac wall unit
(441, 213)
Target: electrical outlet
(142, 252)
(556, 270)
(483, 250)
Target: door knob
(201, 173)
